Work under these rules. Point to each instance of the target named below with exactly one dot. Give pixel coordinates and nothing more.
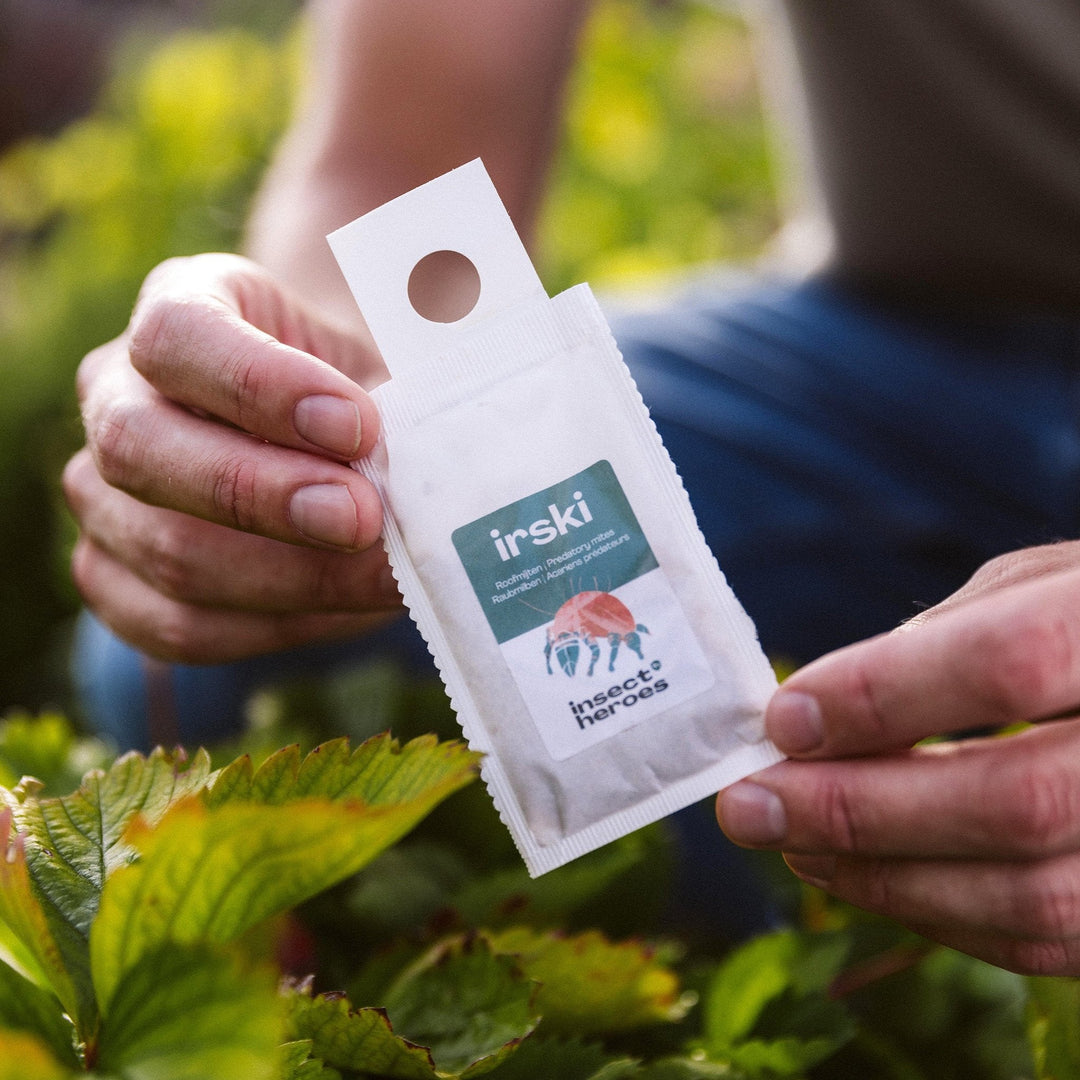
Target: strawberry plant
(356, 912)
(122, 905)
(132, 912)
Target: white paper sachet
(543, 541)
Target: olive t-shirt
(943, 159)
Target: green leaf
(590, 985)
(193, 1014)
(766, 1009)
(360, 1039)
(27, 1008)
(458, 1012)
(538, 1058)
(617, 1070)
(210, 875)
(76, 841)
(761, 972)
(210, 872)
(297, 1063)
(69, 846)
(471, 1006)
(406, 887)
(785, 1057)
(24, 1056)
(379, 772)
(1053, 1027)
(748, 979)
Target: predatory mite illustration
(585, 619)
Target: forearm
(398, 93)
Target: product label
(584, 615)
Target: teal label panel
(527, 559)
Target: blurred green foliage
(164, 166)
(665, 157)
(663, 164)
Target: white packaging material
(543, 541)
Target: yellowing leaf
(210, 875)
(263, 842)
(28, 935)
(35, 1011)
(24, 1057)
(380, 771)
(589, 984)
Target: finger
(192, 336)
(189, 634)
(1023, 916)
(1037, 901)
(1012, 568)
(1012, 655)
(200, 563)
(1051, 957)
(1014, 797)
(163, 455)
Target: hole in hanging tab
(444, 286)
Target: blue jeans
(849, 464)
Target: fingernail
(332, 423)
(817, 870)
(793, 721)
(325, 512)
(752, 814)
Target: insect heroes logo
(577, 600)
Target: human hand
(219, 518)
(972, 843)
